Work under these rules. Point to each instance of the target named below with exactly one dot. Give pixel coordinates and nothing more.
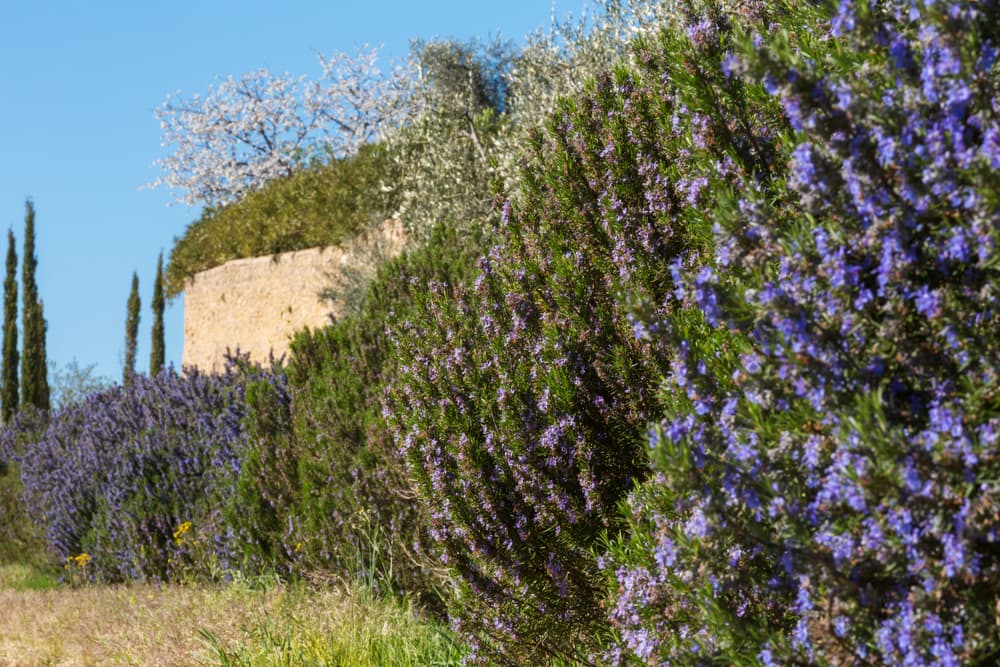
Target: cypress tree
(157, 352)
(34, 379)
(42, 369)
(131, 330)
(9, 392)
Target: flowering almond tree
(249, 130)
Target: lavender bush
(825, 488)
(137, 478)
(522, 399)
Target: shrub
(136, 479)
(355, 512)
(20, 536)
(826, 468)
(258, 505)
(522, 399)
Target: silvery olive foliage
(251, 129)
(445, 158)
(482, 100)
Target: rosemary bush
(825, 487)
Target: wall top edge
(382, 228)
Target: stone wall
(256, 304)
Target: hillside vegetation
(697, 365)
(322, 205)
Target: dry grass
(122, 625)
(166, 626)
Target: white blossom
(249, 130)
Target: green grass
(363, 632)
(26, 577)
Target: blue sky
(79, 84)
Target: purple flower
(927, 302)
(731, 65)
(843, 22)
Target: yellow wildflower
(181, 530)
